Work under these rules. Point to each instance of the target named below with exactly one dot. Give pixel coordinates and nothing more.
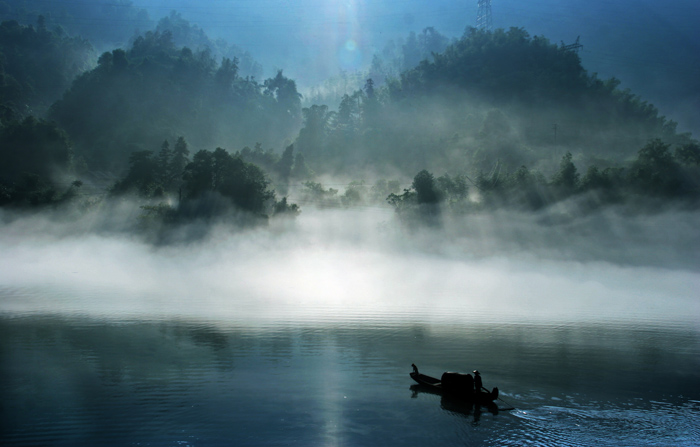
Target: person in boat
(415, 368)
(477, 382)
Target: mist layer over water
(351, 265)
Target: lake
(76, 380)
(107, 341)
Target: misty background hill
(330, 88)
(651, 46)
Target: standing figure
(477, 382)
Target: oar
(506, 409)
(499, 398)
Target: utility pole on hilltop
(483, 15)
(575, 47)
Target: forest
(185, 126)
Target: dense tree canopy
(33, 146)
(491, 97)
(210, 184)
(134, 98)
(655, 173)
(36, 66)
(36, 159)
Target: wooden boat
(455, 385)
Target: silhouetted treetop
(185, 34)
(502, 65)
(136, 97)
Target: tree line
(656, 173)
(500, 96)
(207, 185)
(481, 109)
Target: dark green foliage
(402, 201)
(427, 192)
(265, 159)
(527, 189)
(491, 97)
(151, 175)
(36, 66)
(135, 97)
(425, 188)
(350, 136)
(31, 190)
(522, 188)
(370, 108)
(312, 137)
(608, 179)
(455, 188)
(355, 194)
(655, 171)
(285, 209)
(689, 154)
(244, 184)
(285, 164)
(314, 193)
(144, 175)
(237, 184)
(503, 65)
(567, 178)
(301, 170)
(199, 175)
(36, 147)
(419, 47)
(226, 74)
(180, 158)
(287, 107)
(164, 162)
(654, 174)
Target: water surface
(307, 337)
(85, 381)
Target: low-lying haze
(362, 265)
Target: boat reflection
(456, 405)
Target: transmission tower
(575, 47)
(483, 15)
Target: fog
(361, 267)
